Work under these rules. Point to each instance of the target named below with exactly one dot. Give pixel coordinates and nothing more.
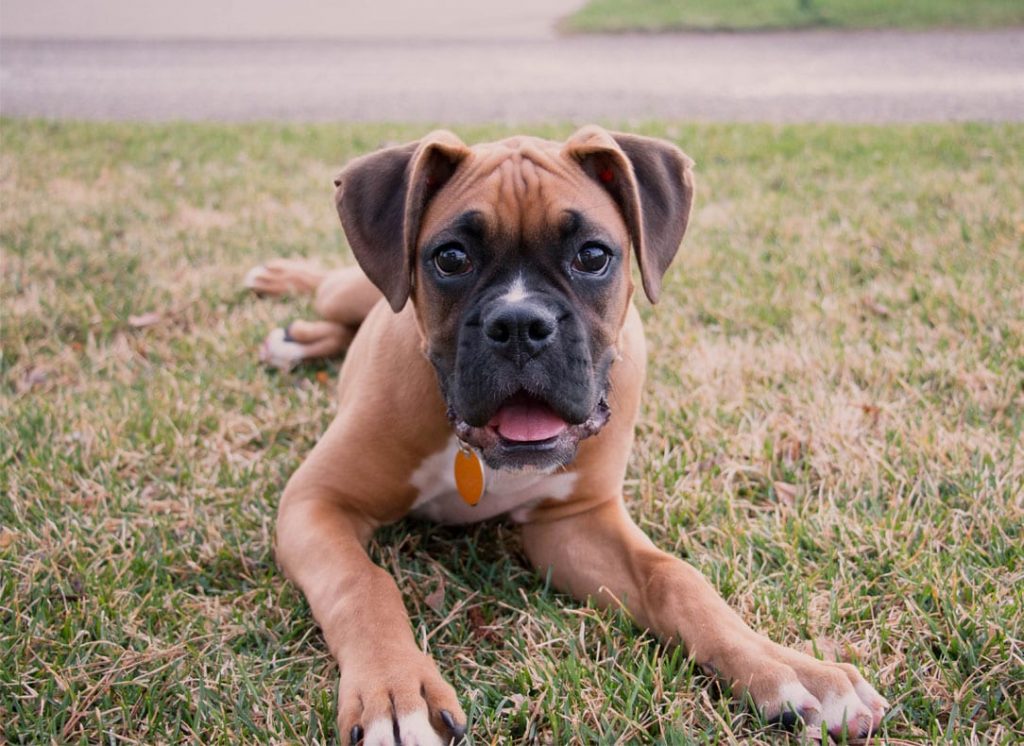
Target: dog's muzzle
(525, 389)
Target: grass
(832, 433)
(711, 15)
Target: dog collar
(470, 477)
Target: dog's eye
(451, 259)
(592, 259)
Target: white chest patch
(510, 492)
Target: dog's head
(516, 257)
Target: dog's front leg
(390, 691)
(603, 555)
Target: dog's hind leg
(343, 299)
(305, 340)
(279, 277)
(345, 296)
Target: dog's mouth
(526, 419)
(527, 432)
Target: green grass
(709, 15)
(832, 433)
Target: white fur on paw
(415, 730)
(848, 709)
(875, 702)
(793, 694)
(869, 696)
(253, 276)
(380, 733)
(794, 697)
(279, 352)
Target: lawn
(709, 15)
(832, 433)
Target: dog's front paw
(406, 702)
(789, 686)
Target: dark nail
(356, 735)
(457, 730)
(288, 334)
(787, 718)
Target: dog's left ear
(651, 181)
(381, 198)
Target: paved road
(525, 76)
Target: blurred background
(464, 61)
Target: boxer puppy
(497, 370)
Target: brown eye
(592, 259)
(451, 259)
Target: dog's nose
(520, 329)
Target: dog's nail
(807, 713)
(457, 730)
(356, 735)
(288, 334)
(787, 718)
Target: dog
(494, 366)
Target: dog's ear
(652, 183)
(381, 198)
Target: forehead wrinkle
(510, 192)
(514, 184)
(541, 172)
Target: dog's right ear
(381, 198)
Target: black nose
(518, 330)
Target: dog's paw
(407, 704)
(280, 277)
(279, 350)
(789, 686)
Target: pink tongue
(525, 421)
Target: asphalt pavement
(514, 69)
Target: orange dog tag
(469, 476)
